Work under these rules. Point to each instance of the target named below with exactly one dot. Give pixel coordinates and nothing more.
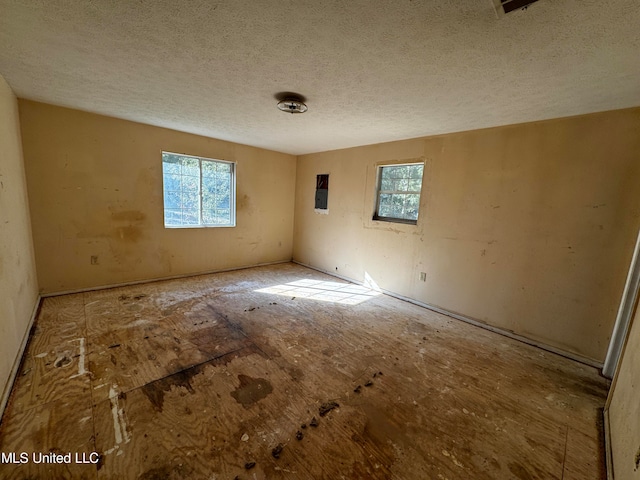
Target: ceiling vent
(508, 6)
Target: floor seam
(93, 412)
(564, 457)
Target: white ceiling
(372, 71)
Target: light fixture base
(292, 105)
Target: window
(198, 192)
(398, 193)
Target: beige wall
(624, 409)
(95, 188)
(18, 281)
(529, 228)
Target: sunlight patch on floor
(334, 292)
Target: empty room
(320, 240)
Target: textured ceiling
(372, 71)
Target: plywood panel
(56, 364)
(61, 427)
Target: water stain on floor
(155, 391)
(251, 390)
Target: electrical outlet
(94, 260)
(423, 276)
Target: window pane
(415, 184)
(191, 217)
(385, 207)
(190, 200)
(388, 172)
(223, 216)
(208, 217)
(208, 168)
(209, 185)
(415, 171)
(172, 182)
(402, 184)
(208, 201)
(190, 166)
(173, 217)
(171, 166)
(190, 184)
(223, 201)
(171, 200)
(217, 217)
(411, 206)
(396, 205)
(386, 184)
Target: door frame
(625, 314)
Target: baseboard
(159, 279)
(608, 452)
(17, 362)
(472, 321)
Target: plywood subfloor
(201, 378)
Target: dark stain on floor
(326, 407)
(167, 472)
(251, 390)
(519, 471)
(62, 361)
(155, 391)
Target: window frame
(316, 207)
(232, 192)
(378, 192)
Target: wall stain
(243, 202)
(128, 216)
(129, 233)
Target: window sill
(172, 227)
(403, 221)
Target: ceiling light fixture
(292, 105)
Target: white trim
(159, 279)
(477, 323)
(625, 314)
(17, 362)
